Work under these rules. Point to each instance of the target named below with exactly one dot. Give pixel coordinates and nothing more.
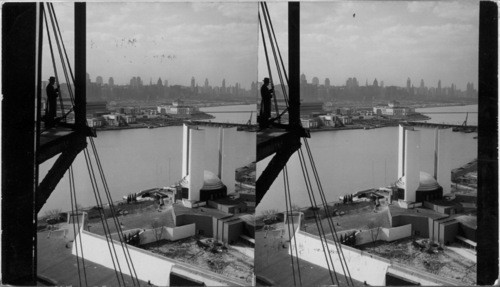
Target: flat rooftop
(56, 264)
(423, 212)
(273, 264)
(179, 209)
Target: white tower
(193, 160)
(409, 161)
(412, 164)
(227, 162)
(442, 159)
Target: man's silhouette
(52, 94)
(266, 93)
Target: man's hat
(266, 79)
(52, 78)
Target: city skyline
(388, 40)
(167, 39)
(383, 40)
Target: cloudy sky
(174, 41)
(390, 41)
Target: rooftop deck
(56, 265)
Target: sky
(386, 40)
(171, 41)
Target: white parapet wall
(384, 234)
(148, 266)
(168, 233)
(96, 250)
(362, 266)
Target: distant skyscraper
(303, 79)
(408, 85)
(159, 83)
(327, 82)
(439, 91)
(193, 83)
(133, 82)
(422, 83)
(381, 84)
(165, 83)
(375, 83)
(139, 82)
(111, 81)
(98, 80)
(206, 83)
(315, 81)
(88, 78)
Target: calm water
(347, 161)
(354, 160)
(136, 159)
(239, 114)
(455, 119)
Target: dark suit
(266, 95)
(52, 94)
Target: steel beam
(487, 171)
(19, 170)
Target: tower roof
(427, 182)
(210, 181)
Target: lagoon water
(138, 159)
(347, 161)
(353, 160)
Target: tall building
(193, 83)
(315, 81)
(206, 83)
(111, 82)
(408, 85)
(88, 78)
(439, 91)
(327, 82)
(98, 80)
(303, 80)
(375, 83)
(159, 82)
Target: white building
(208, 166)
(415, 185)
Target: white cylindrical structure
(228, 162)
(443, 159)
(196, 163)
(401, 151)
(185, 150)
(411, 164)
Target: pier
(240, 127)
(455, 128)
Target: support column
(19, 169)
(487, 171)
(294, 63)
(80, 64)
